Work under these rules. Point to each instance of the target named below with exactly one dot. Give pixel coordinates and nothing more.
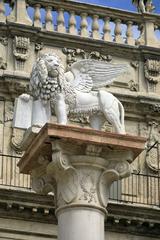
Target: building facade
(77, 31)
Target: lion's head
(47, 74)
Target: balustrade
(86, 20)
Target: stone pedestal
(79, 165)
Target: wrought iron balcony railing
(137, 189)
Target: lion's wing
(89, 74)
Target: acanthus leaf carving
(106, 179)
(114, 172)
(88, 187)
(65, 175)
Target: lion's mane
(40, 80)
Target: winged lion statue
(74, 93)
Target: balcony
(83, 21)
(138, 189)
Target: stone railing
(84, 20)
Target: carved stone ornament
(21, 47)
(4, 40)
(3, 44)
(152, 73)
(16, 139)
(74, 54)
(3, 64)
(39, 46)
(71, 93)
(134, 87)
(155, 108)
(134, 64)
(153, 147)
(80, 179)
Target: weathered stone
(23, 112)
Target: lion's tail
(121, 110)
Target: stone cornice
(27, 206)
(138, 220)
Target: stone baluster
(37, 16)
(48, 19)
(60, 21)
(118, 32)
(19, 13)
(129, 33)
(95, 27)
(107, 30)
(72, 24)
(141, 39)
(2, 11)
(84, 25)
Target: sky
(122, 4)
